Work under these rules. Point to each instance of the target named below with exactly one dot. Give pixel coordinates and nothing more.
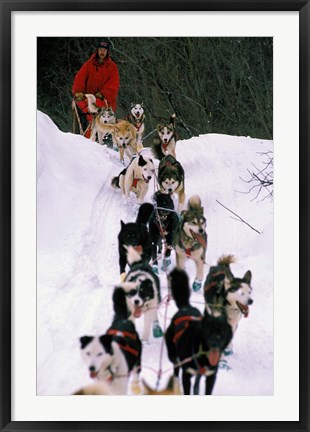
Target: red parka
(94, 77)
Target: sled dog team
(195, 341)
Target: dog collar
(196, 245)
(138, 125)
(135, 182)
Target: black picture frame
(7, 7)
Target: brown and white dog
(164, 142)
(190, 239)
(135, 178)
(124, 134)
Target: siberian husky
(190, 239)
(224, 291)
(195, 342)
(171, 178)
(164, 142)
(137, 118)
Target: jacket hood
(94, 58)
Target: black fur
(120, 305)
(85, 340)
(121, 323)
(162, 225)
(205, 334)
(179, 285)
(115, 180)
(169, 168)
(146, 288)
(106, 342)
(136, 234)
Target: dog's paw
(166, 263)
(157, 331)
(155, 269)
(197, 284)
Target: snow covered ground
(78, 220)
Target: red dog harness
(123, 334)
(185, 321)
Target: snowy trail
(78, 222)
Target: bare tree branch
(239, 217)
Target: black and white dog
(195, 342)
(142, 287)
(222, 290)
(112, 356)
(135, 234)
(162, 226)
(171, 178)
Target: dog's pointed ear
(247, 277)
(85, 340)
(122, 224)
(106, 342)
(141, 161)
(142, 104)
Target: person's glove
(79, 96)
(99, 96)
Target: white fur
(95, 356)
(137, 112)
(144, 175)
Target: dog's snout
(169, 190)
(250, 301)
(92, 368)
(136, 302)
(149, 177)
(200, 230)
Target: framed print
(155, 215)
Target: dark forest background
(214, 85)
